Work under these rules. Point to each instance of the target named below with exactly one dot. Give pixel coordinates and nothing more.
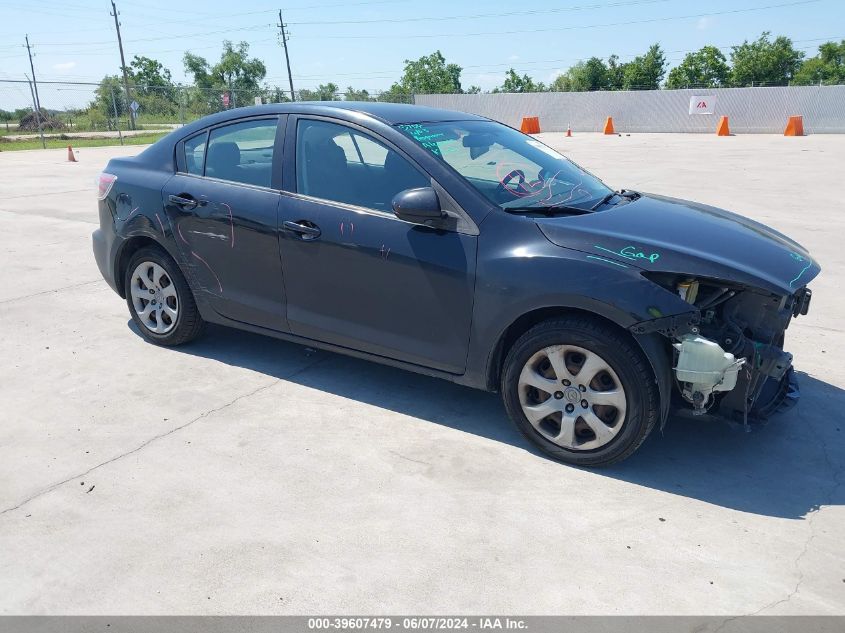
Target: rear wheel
(159, 299)
(580, 390)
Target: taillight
(104, 184)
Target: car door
(355, 274)
(222, 205)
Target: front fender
(520, 272)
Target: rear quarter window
(195, 153)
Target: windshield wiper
(622, 193)
(549, 210)
(604, 200)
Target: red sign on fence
(702, 105)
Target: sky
(363, 43)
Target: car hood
(669, 235)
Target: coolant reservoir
(705, 365)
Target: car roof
(392, 113)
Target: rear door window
(242, 152)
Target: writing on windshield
(509, 168)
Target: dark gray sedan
(451, 245)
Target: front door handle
(306, 230)
(183, 202)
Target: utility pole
(123, 65)
(37, 113)
(281, 26)
(33, 88)
(32, 68)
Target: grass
(14, 131)
(85, 122)
(57, 143)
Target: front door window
(337, 163)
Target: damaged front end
(728, 355)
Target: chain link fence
(71, 110)
(106, 110)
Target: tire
(153, 303)
(595, 424)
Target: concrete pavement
(245, 475)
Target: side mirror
(420, 206)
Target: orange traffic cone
(723, 129)
(608, 126)
(569, 131)
(794, 126)
(70, 157)
(530, 125)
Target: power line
(430, 18)
(388, 73)
(391, 20)
(565, 28)
(255, 27)
(214, 17)
(477, 16)
(341, 4)
(44, 11)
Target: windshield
(509, 168)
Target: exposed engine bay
(729, 359)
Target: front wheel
(582, 391)
(159, 299)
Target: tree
(705, 68)
(357, 95)
(16, 114)
(149, 76)
(323, 92)
(276, 95)
(582, 77)
(615, 73)
(235, 73)
(764, 61)
(430, 74)
(561, 83)
(646, 71)
(152, 86)
(515, 83)
(108, 96)
(828, 67)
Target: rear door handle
(182, 202)
(307, 230)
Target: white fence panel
(751, 110)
